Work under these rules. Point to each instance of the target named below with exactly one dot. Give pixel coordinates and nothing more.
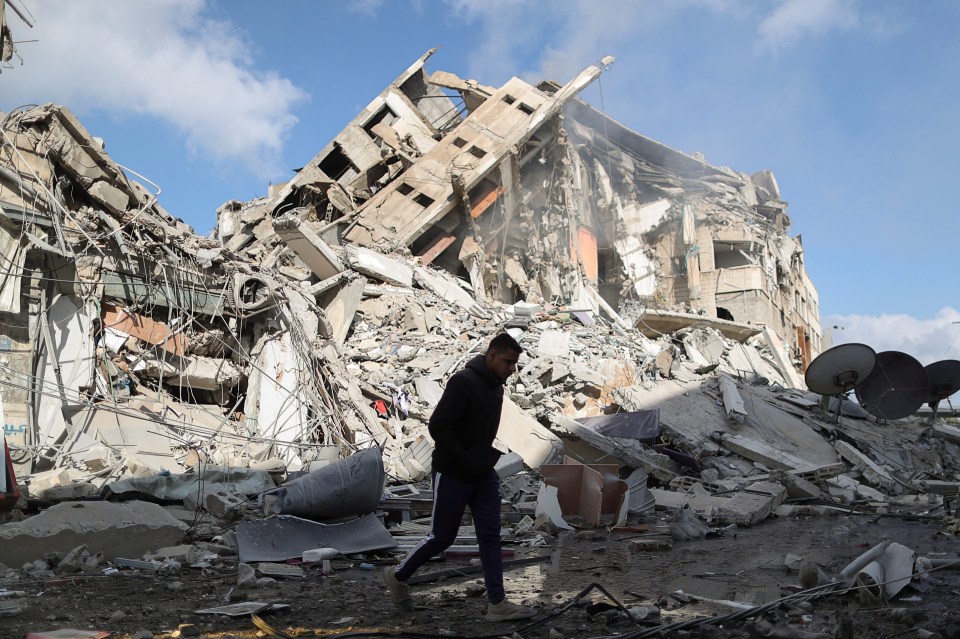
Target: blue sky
(853, 105)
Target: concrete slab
(524, 435)
(379, 266)
(69, 367)
(341, 310)
(275, 407)
(871, 471)
(554, 344)
(128, 529)
(761, 452)
(308, 246)
(782, 360)
(428, 390)
(732, 402)
(443, 286)
(753, 505)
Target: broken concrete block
(554, 344)
(428, 390)
(184, 553)
(706, 506)
(509, 464)
(379, 266)
(40, 482)
(797, 487)
(761, 452)
(78, 490)
(206, 373)
(115, 200)
(732, 402)
(587, 375)
(524, 435)
(753, 505)
(341, 310)
(246, 575)
(872, 472)
(130, 529)
(782, 359)
(284, 571)
(950, 433)
(217, 499)
(650, 545)
(686, 526)
(312, 251)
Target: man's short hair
(504, 342)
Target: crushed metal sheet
(243, 609)
(286, 537)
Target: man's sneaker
(399, 591)
(508, 611)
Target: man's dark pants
(451, 496)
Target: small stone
(237, 595)
(118, 615)
(175, 586)
(142, 634)
(246, 575)
(475, 590)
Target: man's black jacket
(465, 422)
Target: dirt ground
(739, 567)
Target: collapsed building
(532, 195)
(664, 309)
(136, 346)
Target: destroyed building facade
(445, 211)
(271, 386)
(532, 195)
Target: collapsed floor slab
(127, 529)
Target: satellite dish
(897, 387)
(943, 378)
(839, 369)
(836, 371)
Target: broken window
(476, 151)
(459, 143)
(337, 165)
(724, 314)
(385, 115)
(509, 99)
(404, 189)
(733, 254)
(526, 108)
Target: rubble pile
(271, 386)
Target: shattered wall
(446, 211)
(531, 195)
(133, 345)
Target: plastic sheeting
(243, 481)
(643, 425)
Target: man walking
(463, 426)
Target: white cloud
(365, 7)
(160, 58)
(565, 36)
(794, 20)
(928, 340)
